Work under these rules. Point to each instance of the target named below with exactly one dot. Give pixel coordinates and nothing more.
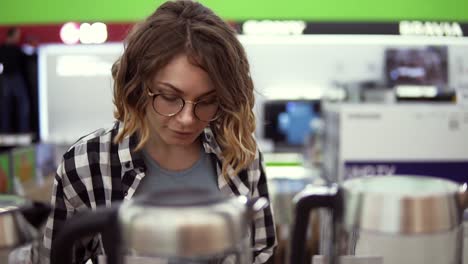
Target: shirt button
(127, 164)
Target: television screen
(288, 122)
(421, 66)
(68, 75)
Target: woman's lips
(182, 134)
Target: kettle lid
(403, 204)
(402, 186)
(184, 223)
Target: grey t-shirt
(201, 175)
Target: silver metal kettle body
(399, 219)
(184, 226)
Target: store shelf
(11, 140)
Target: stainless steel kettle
(20, 221)
(185, 226)
(402, 219)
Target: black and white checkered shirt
(96, 172)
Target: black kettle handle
(36, 213)
(305, 202)
(103, 221)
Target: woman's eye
(208, 101)
(169, 97)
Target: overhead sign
(271, 27)
(404, 28)
(437, 29)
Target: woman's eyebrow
(166, 84)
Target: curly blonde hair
(188, 27)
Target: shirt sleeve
(62, 210)
(263, 226)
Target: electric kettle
(402, 219)
(20, 221)
(179, 226)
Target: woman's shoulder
(91, 147)
(101, 136)
(86, 159)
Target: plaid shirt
(95, 172)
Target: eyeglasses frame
(184, 102)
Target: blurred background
(344, 89)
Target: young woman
(183, 94)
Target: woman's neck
(174, 158)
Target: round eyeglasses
(170, 105)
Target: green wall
(58, 11)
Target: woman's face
(189, 82)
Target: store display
(416, 139)
(193, 226)
(68, 72)
(384, 216)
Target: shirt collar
(131, 159)
(209, 142)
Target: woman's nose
(187, 115)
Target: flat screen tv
(417, 66)
(287, 123)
